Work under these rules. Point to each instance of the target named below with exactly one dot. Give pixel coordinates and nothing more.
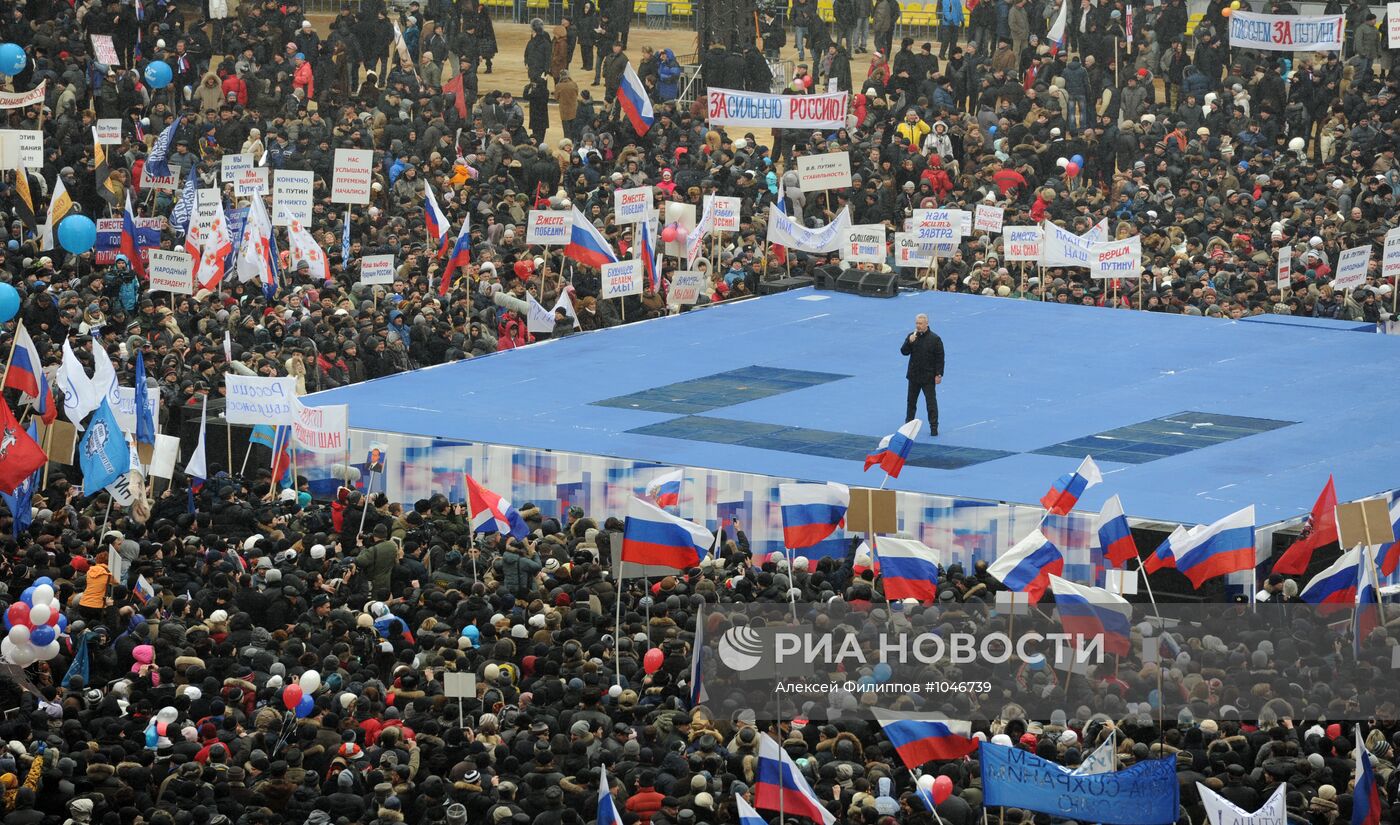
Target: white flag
(541, 319)
(1102, 760)
(303, 247)
(195, 467)
(215, 243)
(1221, 811)
(257, 239)
(104, 375)
(567, 304)
(80, 397)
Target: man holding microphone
(925, 373)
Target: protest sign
(231, 167)
(1286, 32)
(377, 269)
(1116, 259)
(105, 50)
(724, 213)
(727, 107)
(320, 429)
(988, 218)
(1284, 270)
(909, 253)
(256, 400)
(829, 170)
(685, 288)
(622, 279)
(782, 229)
(1351, 267)
(863, 243)
(632, 205)
(109, 130)
(548, 228)
(1392, 25)
(1020, 243)
(292, 197)
(171, 271)
(1390, 260)
(1145, 794)
(163, 457)
(123, 403)
(1061, 247)
(937, 227)
(18, 100)
(22, 147)
(251, 182)
(168, 183)
(1221, 811)
(352, 176)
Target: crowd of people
(1217, 158)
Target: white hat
(318, 551)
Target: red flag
(459, 100)
(1321, 531)
(20, 456)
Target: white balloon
(43, 594)
(615, 691)
(1062, 162)
(167, 714)
(46, 652)
(926, 782)
(39, 614)
(19, 635)
(310, 681)
(194, 693)
(22, 655)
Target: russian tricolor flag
(1389, 555)
(865, 560)
(492, 512)
(1365, 795)
(698, 694)
(143, 591)
(129, 246)
(747, 815)
(646, 250)
(632, 96)
(780, 785)
(435, 220)
(1368, 605)
(811, 512)
(1115, 539)
(1165, 555)
(653, 537)
(1092, 612)
(1028, 566)
(665, 489)
(909, 569)
(1225, 547)
(26, 371)
(461, 256)
(1067, 489)
(894, 449)
(607, 808)
(919, 739)
(587, 245)
(1336, 586)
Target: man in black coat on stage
(925, 373)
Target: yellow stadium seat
(639, 7)
(1192, 22)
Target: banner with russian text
(16, 100)
(782, 229)
(727, 107)
(1286, 32)
(1145, 794)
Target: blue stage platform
(1190, 418)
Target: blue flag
(158, 161)
(19, 502)
(345, 241)
(184, 208)
(145, 423)
(103, 453)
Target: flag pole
(14, 342)
(617, 625)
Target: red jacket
(644, 803)
(234, 83)
(304, 79)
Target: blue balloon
(305, 707)
(883, 672)
(992, 130)
(43, 580)
(158, 74)
(28, 596)
(9, 302)
(12, 59)
(62, 623)
(472, 632)
(1078, 159)
(77, 233)
(151, 736)
(8, 624)
(41, 635)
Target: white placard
(1152, 650)
(352, 176)
(685, 288)
(1020, 243)
(1284, 271)
(1390, 260)
(257, 400)
(937, 226)
(1122, 582)
(549, 228)
(622, 279)
(909, 253)
(321, 429)
(168, 183)
(1287, 32)
(377, 269)
(724, 213)
(232, 167)
(864, 243)
(163, 457)
(1061, 247)
(251, 182)
(459, 685)
(829, 170)
(292, 197)
(170, 270)
(1351, 267)
(123, 403)
(1013, 603)
(109, 131)
(105, 50)
(29, 144)
(1392, 25)
(632, 205)
(1116, 259)
(988, 218)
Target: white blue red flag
(1365, 795)
(1065, 492)
(1094, 613)
(461, 256)
(646, 251)
(632, 96)
(130, 246)
(909, 568)
(921, 738)
(587, 245)
(780, 785)
(1335, 587)
(894, 449)
(1368, 605)
(1057, 29)
(698, 694)
(811, 512)
(665, 489)
(654, 539)
(607, 808)
(1114, 537)
(434, 220)
(492, 512)
(1028, 566)
(1224, 547)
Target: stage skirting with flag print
(1145, 794)
(555, 480)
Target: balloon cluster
(937, 787)
(1230, 9)
(297, 697)
(160, 725)
(33, 625)
(1072, 166)
(673, 233)
(802, 83)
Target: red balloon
(653, 660)
(291, 696)
(1072, 170)
(54, 616)
(668, 233)
(942, 789)
(808, 81)
(18, 614)
(161, 728)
